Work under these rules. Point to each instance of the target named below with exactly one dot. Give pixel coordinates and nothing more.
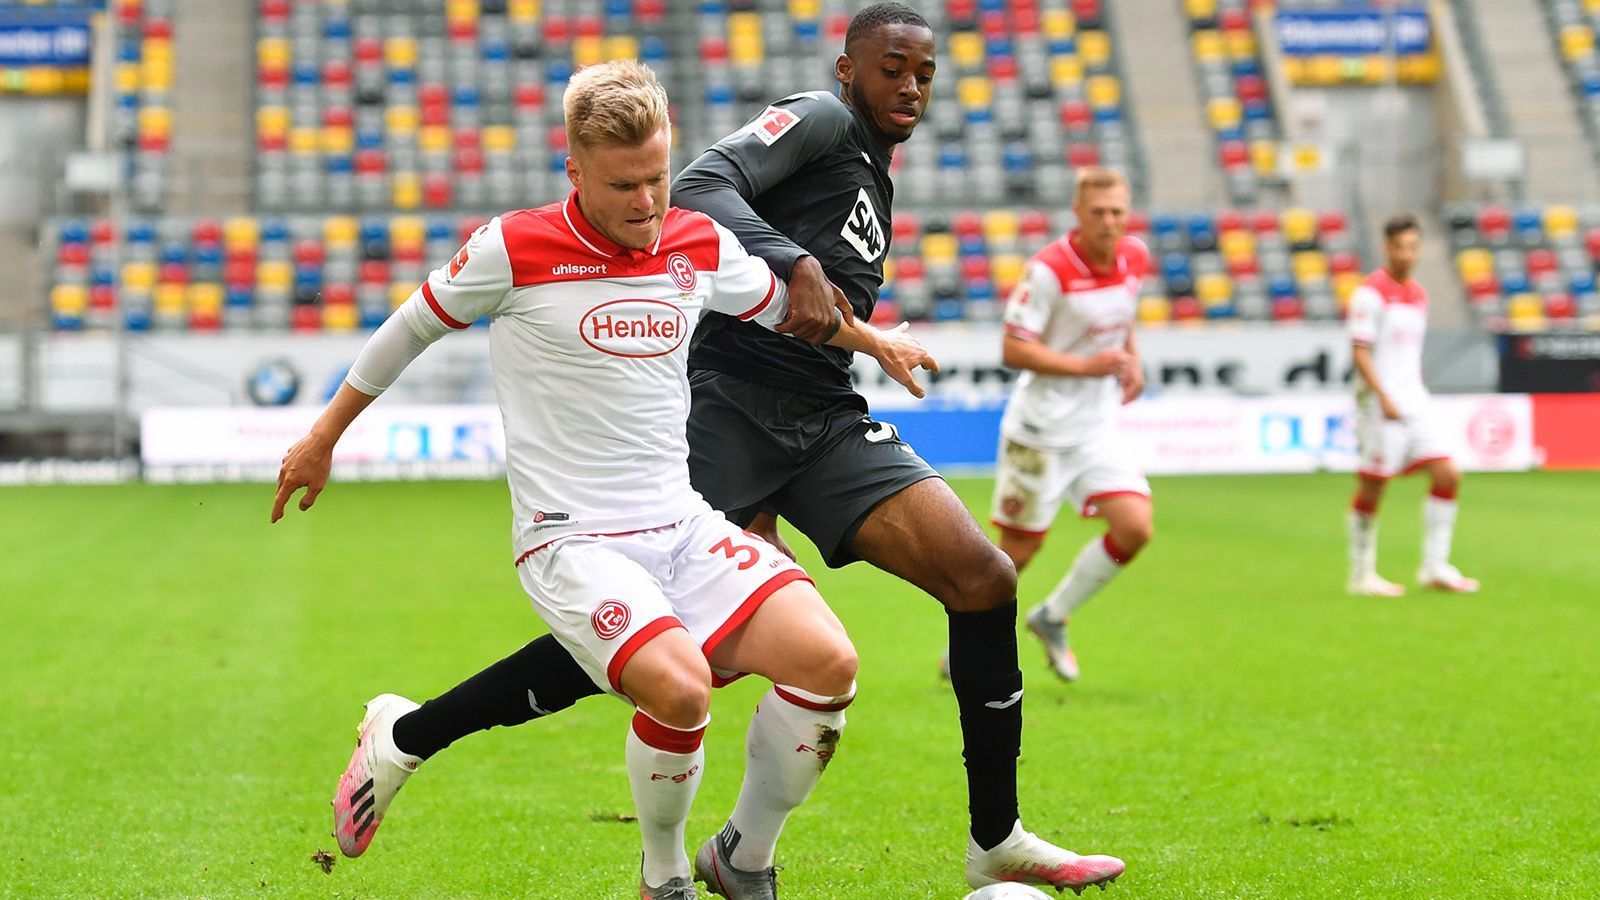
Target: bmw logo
(273, 383)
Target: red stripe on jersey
(433, 304)
(1132, 260)
(555, 243)
(1393, 291)
(756, 310)
(807, 703)
(665, 737)
(1017, 331)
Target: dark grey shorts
(821, 463)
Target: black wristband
(838, 322)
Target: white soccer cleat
(376, 771)
(1025, 858)
(1053, 635)
(1374, 585)
(1447, 578)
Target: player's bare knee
(1446, 479)
(979, 581)
(1131, 537)
(678, 699)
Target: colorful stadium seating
(379, 105)
(1528, 269)
(141, 121)
(1231, 79)
(342, 272)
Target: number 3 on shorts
(733, 551)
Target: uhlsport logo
(578, 269)
(634, 329)
(682, 271)
(610, 619)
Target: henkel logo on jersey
(634, 329)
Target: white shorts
(1031, 484)
(1388, 448)
(604, 596)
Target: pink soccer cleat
(1447, 578)
(376, 771)
(1373, 585)
(1025, 858)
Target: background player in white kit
(1069, 328)
(1387, 321)
(654, 593)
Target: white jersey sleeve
(1031, 302)
(474, 283)
(1362, 320)
(745, 287)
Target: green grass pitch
(182, 683)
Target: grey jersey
(805, 177)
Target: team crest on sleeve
(774, 124)
(862, 230)
(682, 271)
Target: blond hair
(617, 102)
(1095, 178)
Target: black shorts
(820, 462)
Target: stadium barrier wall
(77, 372)
(1165, 436)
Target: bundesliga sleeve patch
(774, 124)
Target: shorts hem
(1417, 464)
(1090, 503)
(1016, 529)
(631, 646)
(840, 554)
(748, 608)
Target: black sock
(540, 679)
(988, 688)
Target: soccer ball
(1007, 892)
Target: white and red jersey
(589, 343)
(1071, 307)
(1392, 319)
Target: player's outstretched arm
(1024, 353)
(309, 461)
(898, 353)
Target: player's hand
(1132, 381)
(765, 526)
(306, 465)
(1390, 411)
(813, 300)
(900, 355)
(1108, 362)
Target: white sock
(1439, 525)
(1092, 570)
(792, 736)
(1363, 544)
(664, 769)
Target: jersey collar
(592, 238)
(1408, 291)
(876, 155)
(1119, 266)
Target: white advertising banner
(1200, 435)
(79, 371)
(1165, 436)
(388, 441)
